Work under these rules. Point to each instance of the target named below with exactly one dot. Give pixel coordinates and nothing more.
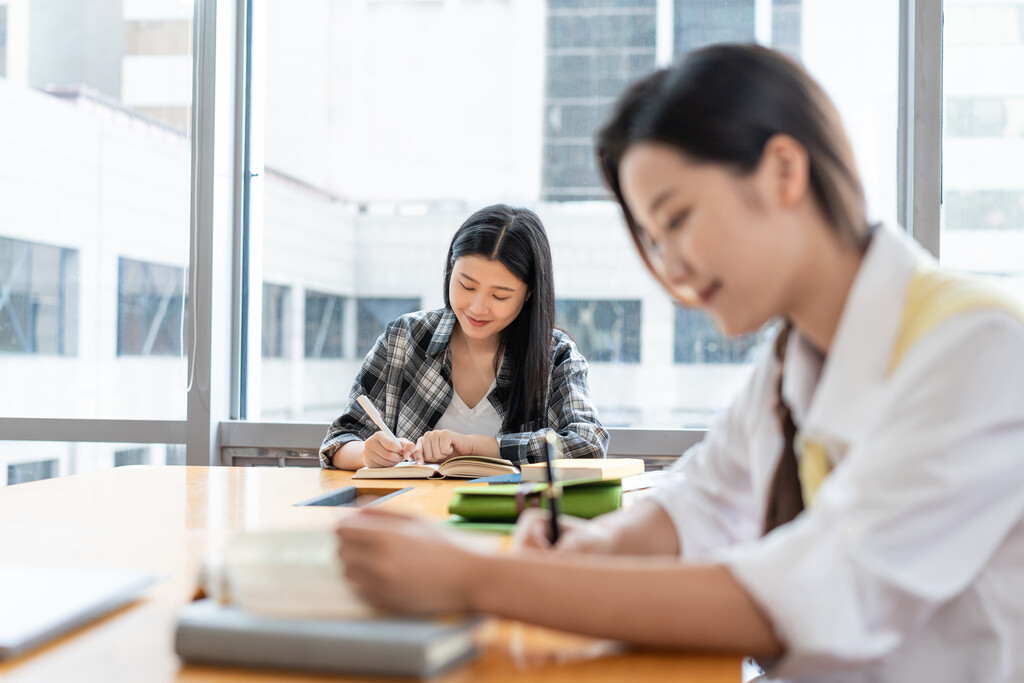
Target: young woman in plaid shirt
(486, 374)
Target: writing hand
(533, 530)
(380, 450)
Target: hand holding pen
(554, 490)
(383, 449)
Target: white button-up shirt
(910, 564)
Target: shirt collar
(836, 404)
(442, 333)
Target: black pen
(554, 492)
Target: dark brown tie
(785, 500)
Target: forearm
(527, 447)
(484, 446)
(644, 529)
(661, 604)
(349, 456)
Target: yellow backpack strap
(933, 297)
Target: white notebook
(39, 603)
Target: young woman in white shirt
(856, 513)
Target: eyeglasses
(654, 251)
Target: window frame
(224, 167)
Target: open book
(459, 467)
(570, 469)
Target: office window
(3, 41)
(325, 322)
(985, 210)
(982, 228)
(24, 472)
(605, 331)
(149, 297)
(177, 118)
(357, 196)
(697, 340)
(132, 456)
(170, 37)
(703, 22)
(174, 454)
(32, 460)
(92, 171)
(38, 299)
(786, 26)
(975, 23)
(594, 50)
(984, 117)
(373, 315)
(276, 319)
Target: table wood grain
(165, 520)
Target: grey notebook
(38, 604)
(212, 633)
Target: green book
(503, 502)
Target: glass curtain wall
(385, 124)
(982, 230)
(94, 219)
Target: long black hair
(721, 105)
(515, 238)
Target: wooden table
(166, 519)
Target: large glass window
(3, 41)
(94, 194)
(149, 298)
(276, 318)
(374, 314)
(703, 22)
(984, 117)
(22, 472)
(325, 324)
(982, 230)
(381, 135)
(697, 340)
(26, 461)
(594, 50)
(604, 331)
(38, 299)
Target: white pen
(371, 410)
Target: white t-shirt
(480, 419)
(908, 566)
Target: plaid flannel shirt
(408, 377)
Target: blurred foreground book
(280, 600)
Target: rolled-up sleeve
(911, 516)
(570, 412)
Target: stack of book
(280, 600)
